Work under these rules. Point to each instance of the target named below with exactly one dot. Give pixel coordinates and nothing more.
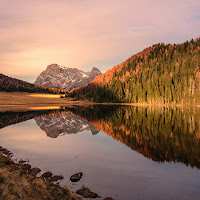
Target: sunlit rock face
(65, 78)
(62, 124)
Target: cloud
(88, 33)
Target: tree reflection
(159, 133)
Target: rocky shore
(21, 181)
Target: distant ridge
(60, 77)
(9, 84)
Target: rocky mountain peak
(53, 68)
(95, 71)
(61, 77)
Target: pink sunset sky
(88, 33)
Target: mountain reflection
(161, 134)
(55, 125)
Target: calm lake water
(125, 152)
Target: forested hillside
(163, 73)
(9, 84)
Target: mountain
(160, 74)
(65, 78)
(62, 124)
(9, 84)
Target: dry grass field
(22, 98)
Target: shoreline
(20, 180)
(17, 101)
(42, 186)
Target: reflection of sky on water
(110, 168)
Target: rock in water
(76, 177)
(86, 193)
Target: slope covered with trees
(163, 74)
(9, 84)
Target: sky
(88, 33)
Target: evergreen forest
(161, 74)
(8, 84)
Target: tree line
(9, 84)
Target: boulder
(86, 193)
(35, 171)
(26, 167)
(56, 178)
(47, 175)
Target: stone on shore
(47, 175)
(86, 193)
(35, 171)
(56, 178)
(26, 167)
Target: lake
(125, 152)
